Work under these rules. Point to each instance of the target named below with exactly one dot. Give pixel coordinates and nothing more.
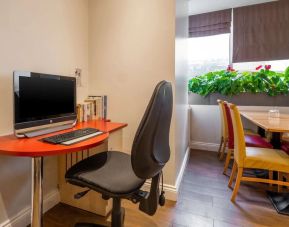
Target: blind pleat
(261, 32)
(212, 23)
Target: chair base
(280, 202)
(117, 216)
(118, 221)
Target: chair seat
(264, 158)
(109, 173)
(256, 141)
(285, 146)
(253, 141)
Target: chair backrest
(151, 150)
(239, 137)
(223, 119)
(229, 125)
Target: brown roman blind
(213, 23)
(261, 32)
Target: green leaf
(287, 72)
(233, 83)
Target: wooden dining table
(277, 126)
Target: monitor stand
(45, 131)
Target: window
(212, 53)
(208, 53)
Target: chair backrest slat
(229, 125)
(223, 119)
(239, 137)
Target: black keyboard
(74, 136)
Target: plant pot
(196, 99)
(244, 99)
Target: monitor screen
(43, 98)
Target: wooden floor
(204, 200)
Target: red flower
(259, 67)
(267, 67)
(230, 69)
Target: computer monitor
(43, 99)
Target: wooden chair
(251, 140)
(254, 158)
(224, 131)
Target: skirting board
(23, 217)
(171, 191)
(183, 168)
(197, 145)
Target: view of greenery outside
(208, 62)
(208, 54)
(230, 82)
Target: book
(104, 107)
(79, 112)
(100, 105)
(94, 107)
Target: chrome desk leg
(36, 203)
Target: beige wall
(131, 50)
(42, 36)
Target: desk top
(280, 124)
(32, 147)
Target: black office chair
(118, 175)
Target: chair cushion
(109, 173)
(285, 146)
(264, 158)
(257, 141)
(252, 140)
(230, 126)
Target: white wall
(181, 83)
(41, 36)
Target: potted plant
(262, 87)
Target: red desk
(32, 147)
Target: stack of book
(93, 108)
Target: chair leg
(270, 176)
(280, 178)
(221, 145)
(227, 162)
(225, 142)
(117, 214)
(287, 178)
(237, 184)
(233, 172)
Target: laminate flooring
(204, 201)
